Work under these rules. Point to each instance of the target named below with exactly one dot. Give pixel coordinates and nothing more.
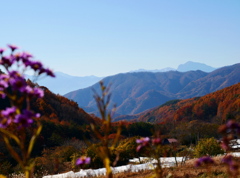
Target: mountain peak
(190, 65)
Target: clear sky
(105, 37)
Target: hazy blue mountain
(64, 83)
(156, 70)
(188, 66)
(194, 66)
(216, 80)
(136, 92)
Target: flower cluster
(23, 119)
(13, 85)
(204, 160)
(25, 59)
(16, 119)
(143, 142)
(83, 160)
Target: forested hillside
(136, 92)
(221, 105)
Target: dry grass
(188, 170)
(141, 174)
(218, 170)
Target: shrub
(207, 146)
(55, 160)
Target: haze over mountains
(194, 66)
(139, 91)
(64, 83)
(188, 66)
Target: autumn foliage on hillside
(61, 118)
(220, 105)
(59, 109)
(67, 134)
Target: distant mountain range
(156, 70)
(194, 66)
(139, 91)
(188, 66)
(64, 83)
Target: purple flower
(7, 61)
(204, 160)
(26, 55)
(9, 112)
(18, 84)
(3, 84)
(35, 65)
(38, 92)
(7, 116)
(2, 94)
(3, 81)
(143, 140)
(83, 160)
(4, 122)
(13, 47)
(15, 82)
(2, 50)
(25, 119)
(14, 74)
(22, 56)
(3, 76)
(33, 91)
(142, 143)
(49, 72)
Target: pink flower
(83, 160)
(7, 116)
(13, 47)
(49, 72)
(33, 92)
(25, 119)
(142, 143)
(1, 50)
(7, 61)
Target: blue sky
(105, 37)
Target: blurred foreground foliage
(66, 130)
